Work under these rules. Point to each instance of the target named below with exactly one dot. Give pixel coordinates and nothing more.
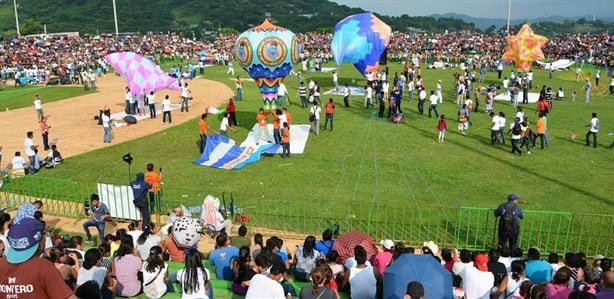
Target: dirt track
(72, 122)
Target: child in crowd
(442, 126)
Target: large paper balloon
(524, 48)
(268, 54)
(360, 39)
(141, 74)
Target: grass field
(372, 171)
(19, 97)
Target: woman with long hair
(317, 288)
(242, 271)
(91, 269)
(155, 274)
(194, 278)
(147, 240)
(515, 280)
(126, 267)
(558, 288)
(306, 259)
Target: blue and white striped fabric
(221, 152)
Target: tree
(31, 27)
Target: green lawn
(387, 179)
(19, 97)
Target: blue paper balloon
(360, 39)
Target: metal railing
(462, 227)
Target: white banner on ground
(119, 201)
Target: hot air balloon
(140, 73)
(524, 48)
(268, 54)
(360, 39)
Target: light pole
(509, 14)
(115, 17)
(16, 17)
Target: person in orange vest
(153, 178)
(285, 152)
(263, 129)
(330, 109)
(288, 116)
(203, 130)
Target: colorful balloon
(524, 48)
(360, 39)
(140, 73)
(267, 53)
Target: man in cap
(477, 280)
(383, 258)
(23, 273)
(140, 190)
(509, 214)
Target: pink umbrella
(140, 73)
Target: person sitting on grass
(194, 277)
(326, 244)
(317, 290)
(54, 158)
(242, 271)
(241, 240)
(155, 274)
(125, 268)
(91, 269)
(147, 240)
(306, 259)
(222, 256)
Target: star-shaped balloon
(524, 48)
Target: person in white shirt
(494, 129)
(185, 94)
(282, 92)
(38, 105)
(166, 110)
(439, 93)
(151, 102)
(194, 278)
(92, 77)
(225, 125)
(433, 104)
(506, 86)
(593, 129)
(315, 123)
(336, 79)
(368, 96)
(477, 281)
(128, 98)
(106, 125)
(231, 69)
(30, 147)
(267, 285)
(18, 164)
(346, 96)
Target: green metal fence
(60, 197)
(461, 227)
(476, 229)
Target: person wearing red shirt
(330, 110)
(203, 130)
(232, 109)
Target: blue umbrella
(437, 281)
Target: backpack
(507, 219)
(517, 129)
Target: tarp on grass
(222, 152)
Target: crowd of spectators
(67, 55)
(135, 261)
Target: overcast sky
(521, 9)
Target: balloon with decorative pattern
(360, 39)
(524, 48)
(140, 73)
(267, 53)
